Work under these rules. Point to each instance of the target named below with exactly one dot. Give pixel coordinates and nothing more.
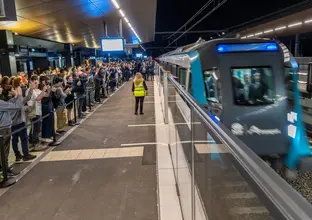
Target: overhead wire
(209, 13)
(192, 18)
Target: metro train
(250, 86)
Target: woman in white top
(35, 105)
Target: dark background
(172, 14)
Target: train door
(213, 92)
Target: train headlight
(292, 129)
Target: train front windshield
(253, 86)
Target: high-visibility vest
(139, 90)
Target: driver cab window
(212, 85)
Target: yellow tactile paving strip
(90, 154)
(211, 148)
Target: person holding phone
(36, 112)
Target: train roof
(203, 44)
(181, 56)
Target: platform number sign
(2, 9)
(292, 129)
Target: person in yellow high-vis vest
(139, 90)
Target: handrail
(285, 202)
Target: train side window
(289, 78)
(212, 85)
(182, 76)
(190, 88)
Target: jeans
(90, 96)
(97, 95)
(6, 132)
(137, 101)
(48, 122)
(35, 131)
(22, 134)
(81, 100)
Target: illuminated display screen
(138, 55)
(228, 48)
(112, 44)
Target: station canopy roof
(287, 23)
(81, 22)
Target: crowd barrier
(8, 182)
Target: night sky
(172, 14)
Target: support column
(7, 58)
(105, 29)
(120, 27)
(297, 45)
(69, 59)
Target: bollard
(75, 110)
(6, 182)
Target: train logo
(239, 130)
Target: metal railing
(220, 165)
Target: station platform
(106, 168)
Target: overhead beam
(190, 32)
(157, 48)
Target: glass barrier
(217, 176)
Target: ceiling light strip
(126, 19)
(280, 28)
(295, 24)
(308, 21)
(116, 4)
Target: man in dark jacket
(6, 108)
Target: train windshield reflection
(253, 86)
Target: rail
(278, 197)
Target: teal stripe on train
(198, 89)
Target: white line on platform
(142, 144)
(157, 102)
(161, 124)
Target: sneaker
(46, 140)
(70, 123)
(142, 113)
(18, 157)
(40, 148)
(136, 113)
(12, 173)
(29, 157)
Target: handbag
(30, 111)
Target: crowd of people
(38, 98)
